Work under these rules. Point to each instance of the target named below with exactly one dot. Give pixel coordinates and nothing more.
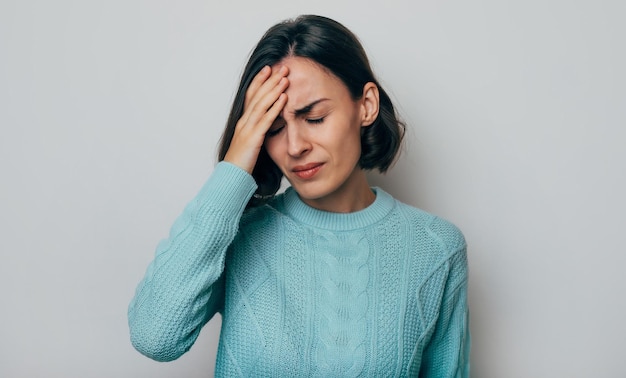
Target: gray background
(110, 113)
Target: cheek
(352, 135)
(353, 143)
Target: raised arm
(182, 287)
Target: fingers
(259, 79)
(262, 94)
(262, 83)
(264, 100)
(272, 113)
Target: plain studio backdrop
(111, 112)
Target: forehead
(309, 81)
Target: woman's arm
(447, 353)
(183, 285)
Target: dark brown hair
(336, 48)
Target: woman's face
(316, 140)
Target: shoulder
(268, 215)
(435, 229)
(438, 245)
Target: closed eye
(315, 120)
(275, 131)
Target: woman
(331, 278)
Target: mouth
(307, 171)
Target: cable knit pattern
(380, 292)
(344, 278)
(295, 267)
(392, 268)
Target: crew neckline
(311, 216)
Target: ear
(369, 104)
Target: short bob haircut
(337, 49)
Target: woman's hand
(265, 99)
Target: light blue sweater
(381, 292)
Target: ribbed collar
(303, 213)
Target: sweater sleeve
(183, 285)
(447, 353)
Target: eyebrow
(307, 109)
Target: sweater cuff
(229, 186)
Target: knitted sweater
(380, 292)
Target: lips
(307, 171)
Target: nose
(298, 144)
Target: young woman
(331, 278)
